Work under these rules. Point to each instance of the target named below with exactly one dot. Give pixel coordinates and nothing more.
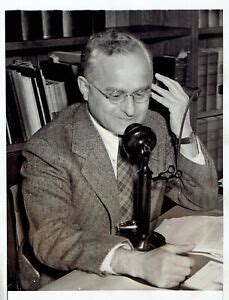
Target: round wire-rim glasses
(117, 97)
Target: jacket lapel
(97, 168)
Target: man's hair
(109, 43)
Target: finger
(178, 278)
(158, 98)
(173, 284)
(183, 271)
(170, 83)
(160, 90)
(182, 263)
(178, 249)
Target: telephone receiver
(138, 142)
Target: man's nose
(128, 105)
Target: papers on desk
(210, 277)
(205, 232)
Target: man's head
(117, 70)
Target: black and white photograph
(114, 152)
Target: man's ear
(83, 86)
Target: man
(70, 188)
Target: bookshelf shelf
(210, 32)
(212, 113)
(143, 32)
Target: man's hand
(175, 99)
(164, 267)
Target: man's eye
(116, 94)
(139, 93)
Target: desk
(78, 280)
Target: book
(31, 22)
(202, 80)
(212, 138)
(27, 102)
(61, 96)
(171, 66)
(13, 111)
(219, 88)
(13, 26)
(70, 57)
(50, 95)
(220, 145)
(57, 96)
(210, 79)
(52, 23)
(122, 18)
(67, 22)
(28, 70)
(83, 22)
(213, 17)
(201, 130)
(77, 23)
(207, 79)
(203, 18)
(221, 17)
(9, 140)
(64, 73)
(98, 21)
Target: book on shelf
(202, 81)
(174, 67)
(52, 24)
(13, 26)
(213, 18)
(203, 18)
(220, 145)
(31, 22)
(34, 98)
(82, 22)
(210, 132)
(9, 140)
(27, 103)
(219, 89)
(210, 77)
(62, 72)
(212, 138)
(210, 18)
(56, 96)
(13, 111)
(201, 130)
(23, 25)
(26, 100)
(69, 57)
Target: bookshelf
(209, 107)
(165, 32)
(146, 33)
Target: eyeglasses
(117, 97)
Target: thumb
(178, 249)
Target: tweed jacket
(70, 191)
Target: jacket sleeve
(58, 240)
(197, 189)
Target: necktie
(125, 185)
